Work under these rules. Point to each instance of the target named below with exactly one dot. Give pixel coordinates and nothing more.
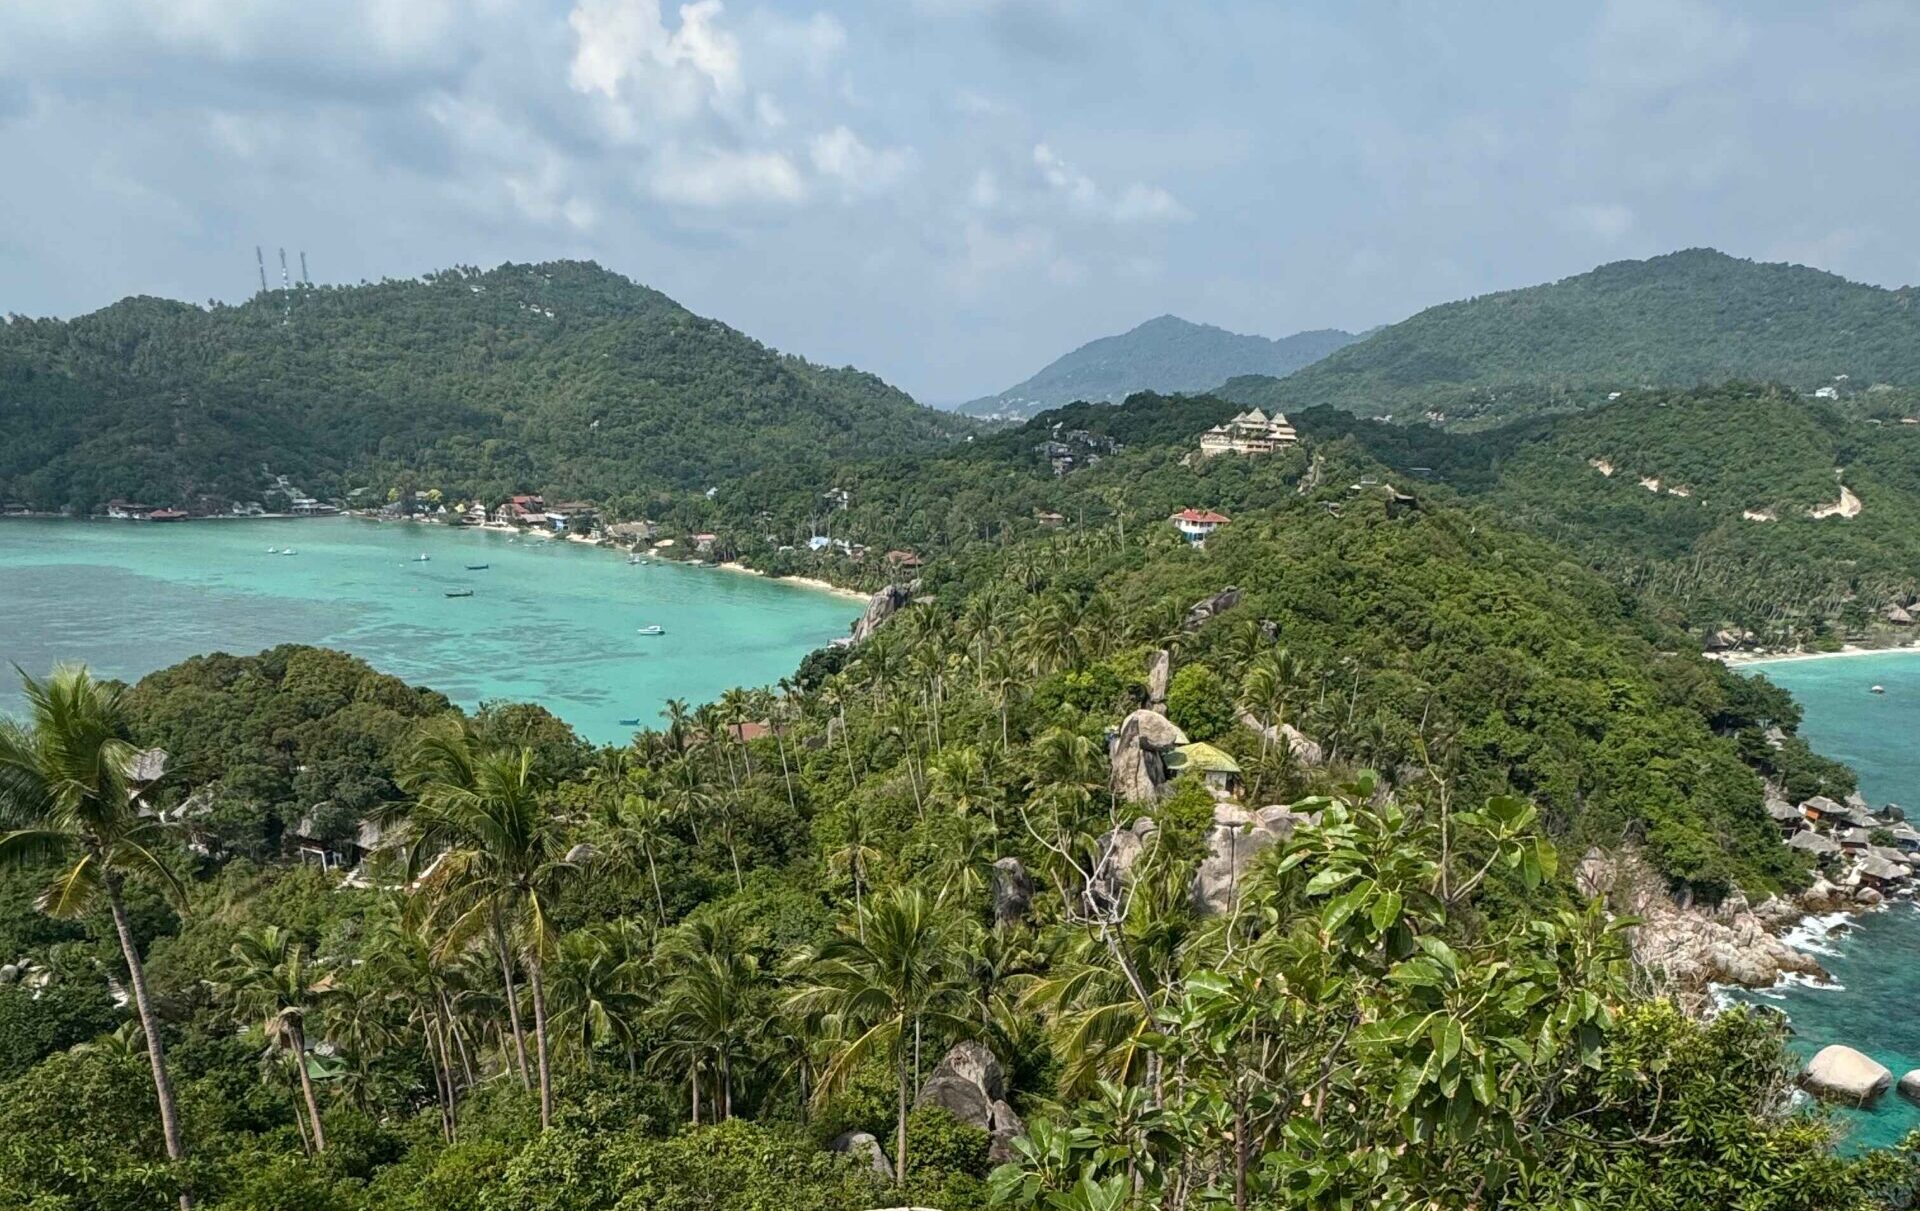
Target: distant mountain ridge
(1685, 319)
(1165, 355)
(562, 377)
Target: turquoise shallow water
(549, 622)
(1875, 958)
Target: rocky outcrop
(1692, 947)
(1841, 1074)
(1136, 769)
(882, 606)
(1159, 673)
(1910, 1086)
(1306, 751)
(1233, 839)
(1207, 607)
(1012, 891)
(1118, 851)
(971, 1085)
(866, 1148)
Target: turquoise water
(1876, 958)
(549, 621)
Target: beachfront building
(1195, 524)
(1252, 432)
(522, 510)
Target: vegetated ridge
(1685, 319)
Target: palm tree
(66, 796)
(711, 1012)
(878, 985)
(600, 987)
(639, 825)
(856, 856)
(496, 857)
(265, 977)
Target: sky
(951, 193)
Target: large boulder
(971, 1085)
(882, 606)
(1012, 891)
(1910, 1086)
(1136, 766)
(1841, 1074)
(1159, 673)
(866, 1148)
(1118, 851)
(1304, 749)
(1233, 839)
(1207, 607)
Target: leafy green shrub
(1198, 702)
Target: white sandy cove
(1851, 649)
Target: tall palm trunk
(513, 1001)
(659, 901)
(306, 1089)
(540, 1039)
(150, 1026)
(785, 775)
(900, 1130)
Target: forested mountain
(1165, 354)
(1681, 320)
(561, 377)
(1740, 505)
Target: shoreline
(1750, 659)
(810, 582)
(805, 582)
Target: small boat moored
(629, 723)
(1878, 689)
(652, 629)
(478, 567)
(459, 592)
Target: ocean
(549, 621)
(1874, 1005)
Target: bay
(550, 621)
(1875, 957)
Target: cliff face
(1687, 947)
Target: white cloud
(1135, 203)
(712, 179)
(650, 74)
(842, 156)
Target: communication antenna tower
(261, 261)
(286, 291)
(305, 277)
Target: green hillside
(562, 377)
(1705, 498)
(1685, 319)
(1164, 354)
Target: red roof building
(1195, 524)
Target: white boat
(653, 628)
(273, 550)
(635, 559)
(422, 557)
(289, 551)
(1878, 689)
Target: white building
(1251, 432)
